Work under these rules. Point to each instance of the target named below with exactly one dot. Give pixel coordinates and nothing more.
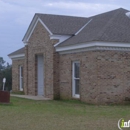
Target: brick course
(15, 74)
(104, 76)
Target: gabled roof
(62, 25)
(56, 24)
(18, 52)
(113, 26)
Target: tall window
(21, 78)
(76, 79)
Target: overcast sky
(16, 15)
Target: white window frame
(20, 78)
(73, 80)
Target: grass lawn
(25, 114)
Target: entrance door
(40, 75)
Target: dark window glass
(76, 86)
(21, 71)
(76, 66)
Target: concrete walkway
(39, 98)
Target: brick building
(75, 58)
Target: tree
(5, 72)
(2, 62)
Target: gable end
(31, 28)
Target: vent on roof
(128, 14)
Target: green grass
(23, 114)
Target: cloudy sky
(16, 15)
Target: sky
(16, 15)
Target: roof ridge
(100, 34)
(83, 27)
(62, 15)
(108, 12)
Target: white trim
(83, 27)
(94, 49)
(25, 43)
(32, 27)
(73, 81)
(65, 37)
(89, 45)
(45, 26)
(19, 56)
(61, 38)
(128, 14)
(31, 32)
(20, 78)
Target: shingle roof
(59, 24)
(113, 26)
(19, 51)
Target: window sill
(76, 96)
(21, 89)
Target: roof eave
(18, 56)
